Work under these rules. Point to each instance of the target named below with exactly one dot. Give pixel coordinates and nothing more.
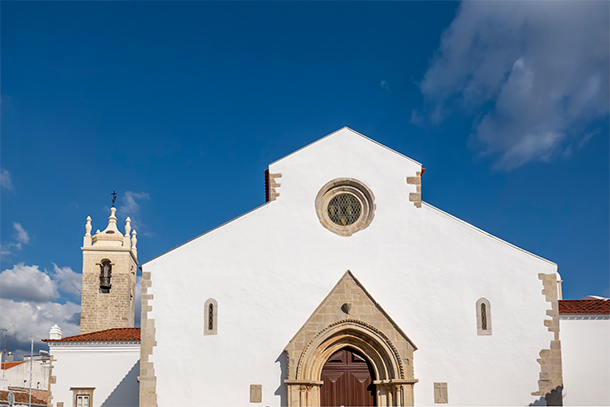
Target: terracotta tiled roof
(22, 398)
(584, 306)
(108, 335)
(8, 365)
(39, 394)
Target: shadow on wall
(281, 390)
(553, 398)
(127, 393)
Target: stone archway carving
(368, 330)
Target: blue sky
(173, 104)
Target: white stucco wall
(111, 368)
(585, 345)
(271, 268)
(20, 375)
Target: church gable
(296, 184)
(342, 141)
(298, 177)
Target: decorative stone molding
(271, 186)
(415, 197)
(147, 378)
(440, 393)
(550, 385)
(362, 197)
(82, 391)
(368, 330)
(573, 317)
(52, 380)
(256, 393)
(356, 325)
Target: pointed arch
(394, 381)
(364, 338)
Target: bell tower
(110, 261)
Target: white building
(17, 374)
(585, 342)
(96, 369)
(346, 289)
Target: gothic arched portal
(389, 351)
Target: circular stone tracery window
(345, 206)
(344, 209)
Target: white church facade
(346, 289)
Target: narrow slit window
(210, 326)
(211, 317)
(483, 317)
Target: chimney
(55, 332)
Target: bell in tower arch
(105, 276)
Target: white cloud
(27, 283)
(21, 234)
(385, 85)
(68, 280)
(130, 206)
(21, 319)
(129, 202)
(26, 304)
(5, 250)
(5, 179)
(536, 73)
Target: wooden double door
(348, 380)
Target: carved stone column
(395, 392)
(303, 393)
